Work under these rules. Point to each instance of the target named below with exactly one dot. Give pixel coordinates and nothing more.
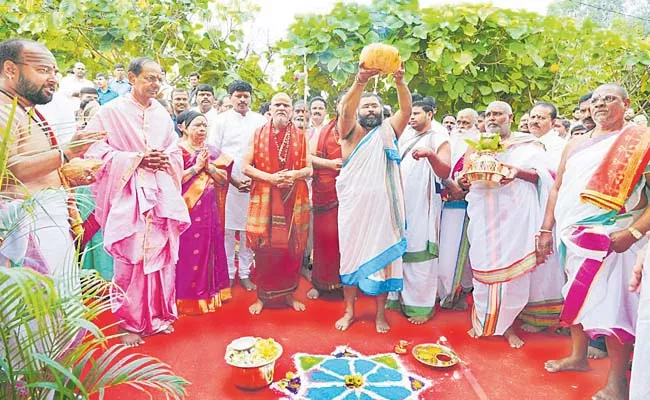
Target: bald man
(278, 216)
(598, 207)
(502, 227)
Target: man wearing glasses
(139, 204)
(599, 209)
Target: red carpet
(196, 350)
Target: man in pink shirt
(139, 203)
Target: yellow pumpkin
(380, 56)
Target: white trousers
(245, 254)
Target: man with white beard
(455, 274)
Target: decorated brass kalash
(484, 170)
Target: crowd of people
(194, 191)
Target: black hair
(204, 88)
(84, 103)
(424, 104)
(12, 49)
(566, 123)
(375, 95)
(481, 113)
(118, 65)
(584, 98)
(136, 65)
(416, 97)
(194, 74)
(264, 108)
(240, 86)
(100, 75)
(317, 98)
(431, 101)
(549, 106)
(88, 90)
(178, 90)
(578, 128)
(187, 116)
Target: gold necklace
(282, 148)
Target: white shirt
(230, 132)
(71, 84)
(211, 115)
(554, 145)
(59, 114)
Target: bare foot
(566, 364)
(382, 325)
(247, 284)
(256, 307)
(313, 294)
(168, 330)
(418, 320)
(344, 323)
(472, 333)
(613, 391)
(595, 353)
(514, 340)
(131, 339)
(531, 328)
(295, 304)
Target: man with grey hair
(455, 274)
(502, 266)
(598, 207)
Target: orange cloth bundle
(380, 56)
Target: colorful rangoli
(349, 375)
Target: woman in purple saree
(202, 272)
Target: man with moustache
(326, 161)
(454, 273)
(317, 112)
(543, 310)
(205, 100)
(425, 157)
(541, 119)
(599, 209)
(584, 109)
(119, 84)
(449, 122)
(139, 204)
(231, 133)
(523, 123)
(372, 239)
(300, 115)
(28, 75)
(502, 266)
(180, 103)
(481, 121)
(278, 162)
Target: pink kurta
(141, 212)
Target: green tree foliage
(470, 55)
(607, 13)
(190, 35)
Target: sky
(275, 16)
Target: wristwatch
(635, 232)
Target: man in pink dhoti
(139, 203)
(599, 203)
